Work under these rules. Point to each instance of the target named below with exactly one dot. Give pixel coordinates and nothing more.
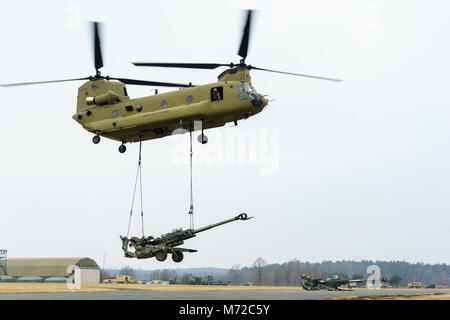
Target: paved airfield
(257, 294)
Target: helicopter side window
(217, 94)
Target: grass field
(16, 288)
(429, 296)
(62, 287)
(412, 296)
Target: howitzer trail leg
(127, 253)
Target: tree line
(288, 274)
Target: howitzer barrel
(242, 216)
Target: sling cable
(138, 178)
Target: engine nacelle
(109, 97)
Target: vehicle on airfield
(414, 285)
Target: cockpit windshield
(249, 88)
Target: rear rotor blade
(296, 74)
(243, 49)
(40, 82)
(97, 49)
(151, 83)
(181, 65)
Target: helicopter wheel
(177, 256)
(203, 139)
(161, 255)
(96, 139)
(122, 148)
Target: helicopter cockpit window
(216, 93)
(249, 88)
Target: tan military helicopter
(105, 109)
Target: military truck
(414, 285)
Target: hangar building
(85, 268)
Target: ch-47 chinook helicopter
(105, 109)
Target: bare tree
(281, 275)
(234, 274)
(267, 279)
(155, 275)
(288, 274)
(127, 270)
(168, 275)
(293, 270)
(258, 271)
(187, 278)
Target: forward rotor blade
(296, 74)
(181, 65)
(40, 82)
(243, 49)
(151, 83)
(97, 49)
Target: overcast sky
(350, 170)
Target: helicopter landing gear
(202, 138)
(122, 148)
(161, 256)
(96, 139)
(177, 256)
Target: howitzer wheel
(177, 256)
(161, 255)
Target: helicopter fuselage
(104, 107)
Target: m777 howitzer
(331, 284)
(148, 247)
